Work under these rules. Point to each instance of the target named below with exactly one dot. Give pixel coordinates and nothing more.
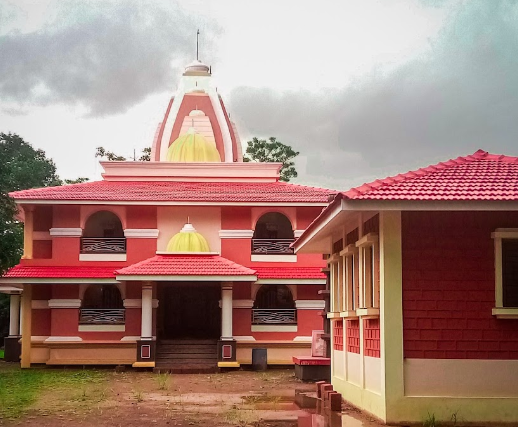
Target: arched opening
(103, 234)
(273, 235)
(102, 304)
(274, 304)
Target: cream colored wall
(337, 359)
(205, 219)
(372, 366)
(461, 378)
(354, 375)
(277, 353)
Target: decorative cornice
(64, 303)
(141, 233)
(63, 339)
(298, 233)
(66, 232)
(243, 303)
(236, 234)
(137, 303)
(310, 304)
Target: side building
(424, 291)
(181, 262)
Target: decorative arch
(273, 225)
(274, 297)
(103, 297)
(104, 224)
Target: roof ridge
(374, 185)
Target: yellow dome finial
(188, 240)
(192, 147)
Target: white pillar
(147, 312)
(14, 316)
(226, 311)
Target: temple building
(182, 262)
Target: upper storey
(196, 109)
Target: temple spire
(197, 45)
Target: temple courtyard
(103, 397)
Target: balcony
(272, 246)
(274, 316)
(102, 316)
(103, 245)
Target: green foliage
(101, 152)
(430, 421)
(20, 388)
(271, 150)
(79, 180)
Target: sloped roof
(59, 272)
(480, 176)
(164, 191)
(289, 273)
(184, 265)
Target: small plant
(163, 381)
(430, 421)
(138, 396)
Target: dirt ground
(131, 398)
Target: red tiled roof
(163, 191)
(289, 273)
(51, 272)
(185, 265)
(480, 176)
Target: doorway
(189, 311)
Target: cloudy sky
(363, 89)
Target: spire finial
(197, 39)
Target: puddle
(305, 410)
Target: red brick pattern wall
(338, 335)
(449, 286)
(353, 336)
(371, 337)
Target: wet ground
(133, 399)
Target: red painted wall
(306, 215)
(449, 286)
(141, 217)
(338, 334)
(40, 321)
(65, 216)
(371, 337)
(353, 336)
(236, 218)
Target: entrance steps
(186, 356)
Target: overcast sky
(363, 89)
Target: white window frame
(334, 278)
(368, 273)
(499, 310)
(349, 256)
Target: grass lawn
(1, 354)
(20, 388)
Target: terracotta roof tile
(480, 176)
(164, 191)
(52, 272)
(186, 265)
(289, 273)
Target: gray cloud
(460, 96)
(103, 56)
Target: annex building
(183, 261)
(424, 292)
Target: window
(350, 297)
(274, 304)
(103, 234)
(506, 273)
(369, 274)
(102, 305)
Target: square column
(26, 326)
(227, 344)
(146, 346)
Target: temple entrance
(189, 311)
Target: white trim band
(102, 257)
(141, 233)
(310, 304)
(236, 234)
(273, 258)
(137, 303)
(64, 339)
(39, 304)
(243, 303)
(64, 303)
(102, 328)
(66, 232)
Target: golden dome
(192, 147)
(188, 240)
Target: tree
(112, 157)
(79, 180)
(21, 167)
(261, 150)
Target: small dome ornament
(192, 147)
(188, 240)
